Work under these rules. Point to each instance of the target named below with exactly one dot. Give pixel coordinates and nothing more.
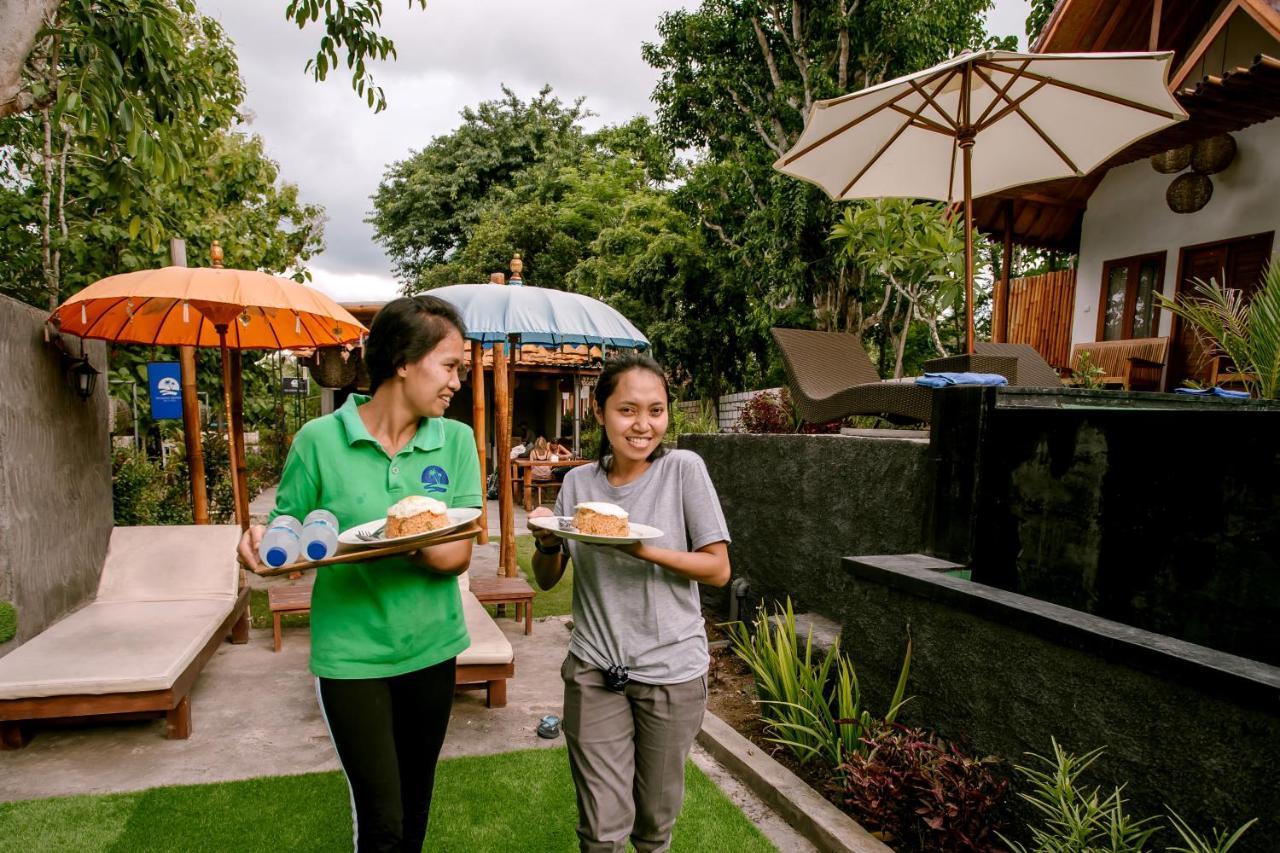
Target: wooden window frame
(1134, 263)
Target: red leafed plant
(922, 793)
(773, 412)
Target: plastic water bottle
(319, 534)
(282, 541)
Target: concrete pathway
(254, 713)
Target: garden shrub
(922, 793)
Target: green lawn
(517, 801)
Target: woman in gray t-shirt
(635, 677)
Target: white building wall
(1128, 216)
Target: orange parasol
(207, 307)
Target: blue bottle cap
(276, 557)
(316, 550)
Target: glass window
(1128, 305)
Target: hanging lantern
(1210, 156)
(1172, 161)
(1189, 193)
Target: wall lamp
(81, 375)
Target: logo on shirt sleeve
(434, 479)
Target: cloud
(454, 54)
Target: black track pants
(388, 733)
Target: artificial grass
(516, 801)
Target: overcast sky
(454, 54)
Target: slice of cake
(415, 514)
(601, 519)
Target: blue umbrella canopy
(539, 315)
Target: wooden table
(500, 590)
(529, 464)
(283, 600)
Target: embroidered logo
(434, 479)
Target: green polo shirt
(385, 617)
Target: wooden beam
(1001, 330)
(241, 466)
(502, 449)
(1100, 40)
(509, 528)
(1153, 41)
(478, 425)
(1266, 13)
(1203, 45)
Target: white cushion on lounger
(112, 647)
(488, 644)
(177, 563)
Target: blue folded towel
(941, 380)
(1225, 393)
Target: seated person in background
(561, 449)
(541, 452)
(518, 448)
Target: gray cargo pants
(627, 750)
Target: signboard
(295, 384)
(164, 382)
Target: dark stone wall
(796, 503)
(1156, 512)
(1000, 673)
(55, 476)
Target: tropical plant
(1080, 819)
(766, 413)
(704, 420)
(921, 792)
(1246, 331)
(1085, 373)
(812, 707)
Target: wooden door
(1236, 263)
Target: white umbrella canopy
(980, 123)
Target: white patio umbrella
(980, 123)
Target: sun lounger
(831, 377)
(167, 598)
(489, 661)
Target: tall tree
(738, 79)
(352, 32)
(427, 205)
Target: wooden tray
(361, 555)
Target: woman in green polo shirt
(385, 634)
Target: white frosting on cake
(603, 508)
(415, 504)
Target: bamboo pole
(477, 421)
(502, 452)
(509, 528)
(1001, 331)
(231, 442)
(191, 434)
(241, 466)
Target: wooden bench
(1136, 364)
(285, 600)
(499, 590)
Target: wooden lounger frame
(174, 704)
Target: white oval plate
(457, 518)
(562, 526)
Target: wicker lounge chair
(831, 376)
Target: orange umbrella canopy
(183, 306)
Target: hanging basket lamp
(1189, 193)
(1172, 161)
(1210, 156)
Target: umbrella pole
(237, 424)
(502, 453)
(477, 422)
(965, 140)
(191, 432)
(231, 442)
(509, 529)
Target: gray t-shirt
(632, 612)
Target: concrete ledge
(799, 805)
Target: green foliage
(8, 621)
(1085, 373)
(1037, 17)
(1246, 331)
(813, 707)
(351, 26)
(1080, 819)
(145, 492)
(704, 421)
(911, 255)
(107, 190)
